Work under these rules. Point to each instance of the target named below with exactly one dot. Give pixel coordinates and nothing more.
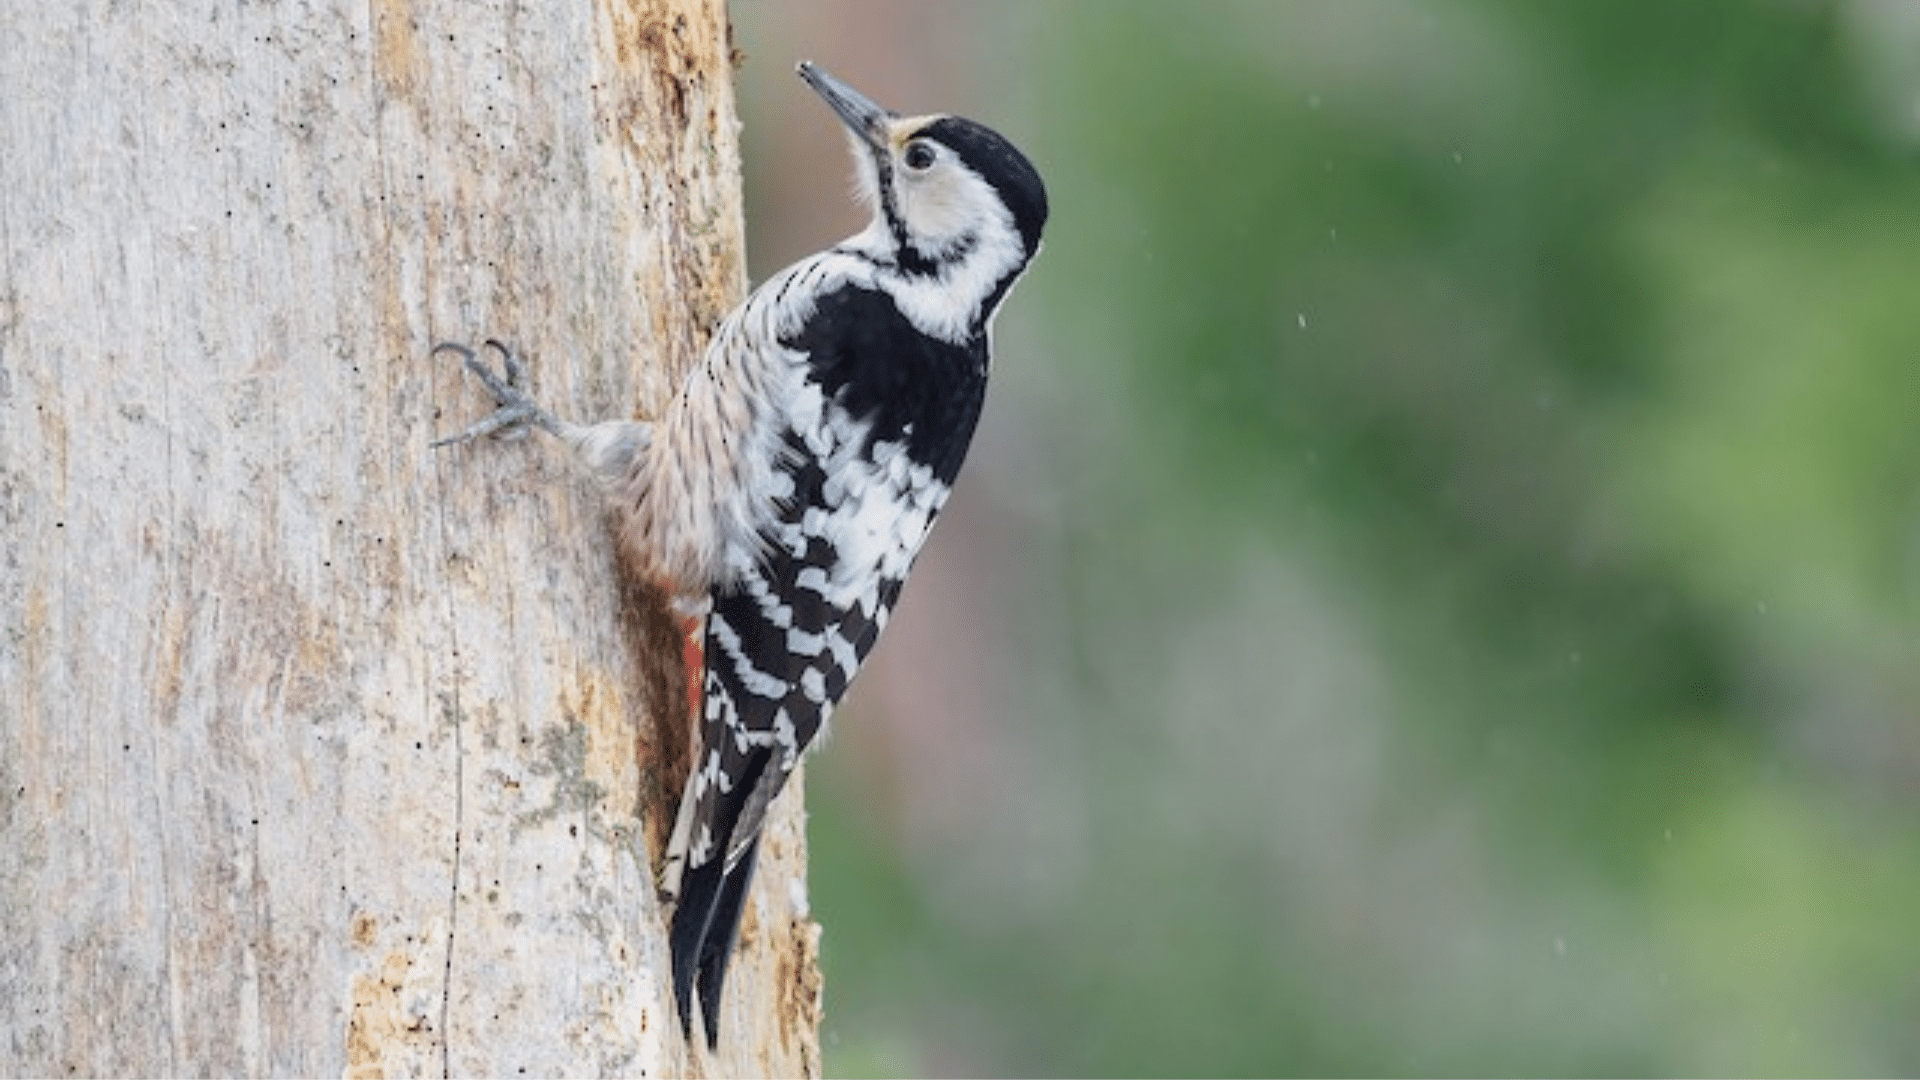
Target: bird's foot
(517, 411)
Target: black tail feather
(705, 924)
(699, 895)
(722, 931)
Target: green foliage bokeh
(1472, 629)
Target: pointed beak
(857, 111)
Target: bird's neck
(951, 295)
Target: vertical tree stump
(321, 752)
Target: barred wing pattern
(877, 432)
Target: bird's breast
(899, 385)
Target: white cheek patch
(943, 207)
(954, 218)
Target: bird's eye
(919, 156)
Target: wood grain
(322, 753)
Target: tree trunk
(322, 752)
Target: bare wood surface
(322, 753)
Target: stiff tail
(705, 924)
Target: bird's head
(951, 198)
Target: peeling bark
(322, 753)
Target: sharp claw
(451, 346)
(516, 370)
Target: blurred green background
(1436, 589)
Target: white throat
(945, 304)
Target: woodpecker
(788, 487)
